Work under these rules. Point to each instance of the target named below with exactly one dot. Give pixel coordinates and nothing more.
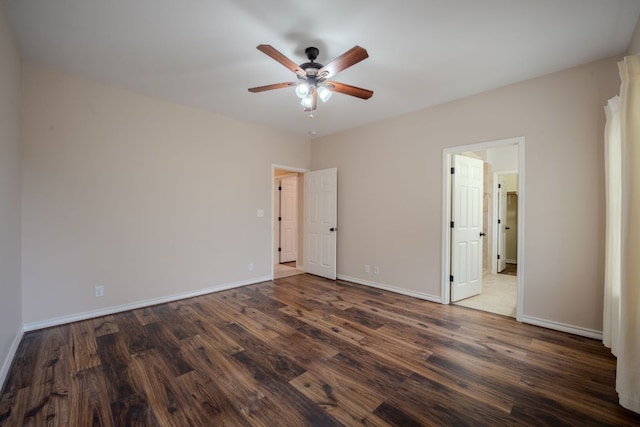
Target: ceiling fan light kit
(324, 93)
(313, 77)
(302, 90)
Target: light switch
(260, 213)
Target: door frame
(292, 169)
(447, 154)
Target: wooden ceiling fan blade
(346, 60)
(271, 87)
(346, 89)
(278, 56)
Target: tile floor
(282, 270)
(499, 295)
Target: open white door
(289, 219)
(466, 238)
(320, 221)
(502, 224)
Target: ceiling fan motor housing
(312, 53)
(312, 67)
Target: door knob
(482, 234)
(507, 228)
(333, 229)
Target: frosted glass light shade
(324, 94)
(307, 101)
(302, 90)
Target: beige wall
(10, 291)
(148, 198)
(393, 219)
(511, 182)
(503, 159)
(634, 45)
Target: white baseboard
(390, 288)
(139, 304)
(511, 261)
(6, 365)
(557, 326)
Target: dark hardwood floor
(307, 351)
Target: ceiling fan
(313, 78)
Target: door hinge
(452, 224)
(499, 221)
(280, 188)
(498, 256)
(453, 170)
(279, 249)
(451, 278)
(499, 185)
(279, 218)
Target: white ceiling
(422, 53)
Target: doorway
(287, 232)
(512, 234)
(287, 213)
(499, 293)
(505, 237)
(498, 290)
(317, 223)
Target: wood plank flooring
(305, 351)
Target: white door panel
(466, 240)
(321, 191)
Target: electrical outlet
(366, 268)
(99, 291)
(376, 270)
(251, 266)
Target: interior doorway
(505, 238)
(501, 293)
(287, 232)
(287, 218)
(317, 223)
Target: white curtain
(621, 330)
(613, 192)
